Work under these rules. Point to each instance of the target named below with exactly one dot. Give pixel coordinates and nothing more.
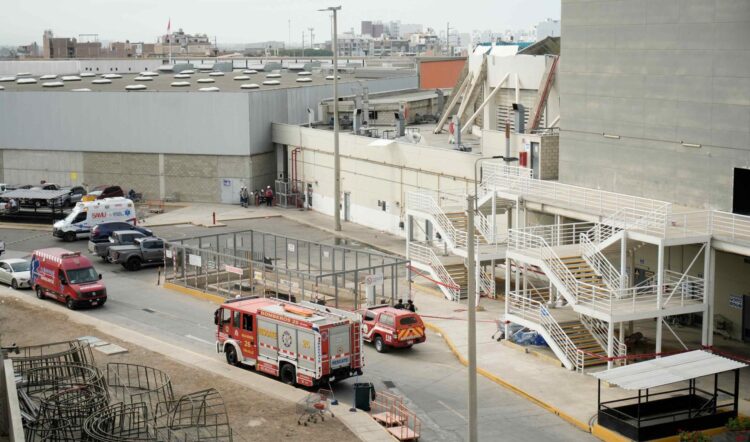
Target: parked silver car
(15, 272)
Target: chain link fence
(266, 264)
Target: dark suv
(102, 232)
(107, 191)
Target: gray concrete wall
(128, 170)
(171, 123)
(30, 167)
(656, 73)
(549, 158)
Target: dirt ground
(252, 415)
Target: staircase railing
(427, 256)
(486, 284)
(522, 306)
(601, 265)
(599, 331)
(428, 201)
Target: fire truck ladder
(357, 345)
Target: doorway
(741, 191)
(534, 154)
(347, 206)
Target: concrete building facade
(191, 146)
(656, 99)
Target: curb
(194, 293)
(505, 384)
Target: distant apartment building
(407, 29)
(182, 43)
(547, 28)
(366, 28)
(30, 50)
(57, 47)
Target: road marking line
(452, 409)
(199, 340)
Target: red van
(67, 277)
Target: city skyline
(145, 21)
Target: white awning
(668, 370)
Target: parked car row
(125, 244)
(75, 194)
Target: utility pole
(472, 292)
(311, 37)
(303, 43)
(336, 158)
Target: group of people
(408, 306)
(261, 196)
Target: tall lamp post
(472, 204)
(336, 158)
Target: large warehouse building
(168, 140)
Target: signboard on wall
(194, 260)
(735, 301)
(373, 280)
(232, 269)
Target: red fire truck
(301, 343)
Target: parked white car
(15, 272)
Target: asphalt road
(428, 376)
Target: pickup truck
(145, 251)
(118, 238)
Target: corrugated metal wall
(223, 123)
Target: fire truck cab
(386, 326)
(301, 343)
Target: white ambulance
(86, 215)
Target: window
(247, 322)
(236, 321)
(369, 315)
(387, 320)
(61, 276)
(226, 316)
(4, 267)
(741, 196)
(408, 320)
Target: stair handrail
(486, 284)
(425, 200)
(601, 265)
(597, 297)
(536, 312)
(427, 256)
(600, 333)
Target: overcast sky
(245, 21)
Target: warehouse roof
(164, 82)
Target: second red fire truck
(301, 343)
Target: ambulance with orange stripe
(386, 326)
(301, 343)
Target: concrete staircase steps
(459, 221)
(583, 340)
(460, 276)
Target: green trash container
(364, 392)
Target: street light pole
(472, 292)
(336, 158)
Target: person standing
(269, 196)
(410, 306)
(244, 197)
